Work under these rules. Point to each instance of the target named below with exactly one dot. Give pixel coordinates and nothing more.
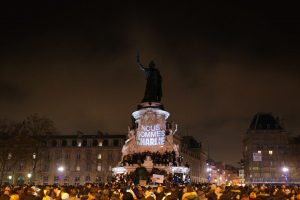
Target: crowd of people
(118, 191)
(166, 158)
(134, 178)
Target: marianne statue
(153, 91)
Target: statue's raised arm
(139, 61)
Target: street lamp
(60, 169)
(285, 171)
(29, 176)
(209, 173)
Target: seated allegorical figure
(130, 143)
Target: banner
(158, 178)
(257, 157)
(151, 135)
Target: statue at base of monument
(153, 91)
(130, 144)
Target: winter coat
(190, 196)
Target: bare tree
(23, 142)
(37, 129)
(12, 146)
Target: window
(99, 167)
(88, 155)
(34, 156)
(74, 143)
(88, 167)
(259, 151)
(87, 179)
(116, 143)
(56, 179)
(77, 179)
(46, 167)
(95, 143)
(270, 152)
(78, 168)
(64, 143)
(66, 179)
(67, 156)
(58, 155)
(45, 179)
(21, 166)
(54, 143)
(99, 156)
(105, 143)
(79, 143)
(84, 143)
(9, 156)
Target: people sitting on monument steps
(166, 158)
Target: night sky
(75, 63)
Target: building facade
(270, 153)
(88, 158)
(70, 160)
(194, 155)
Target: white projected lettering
(151, 135)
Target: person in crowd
(46, 194)
(6, 194)
(215, 193)
(29, 194)
(73, 194)
(189, 193)
(125, 194)
(159, 193)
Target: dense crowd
(134, 178)
(117, 191)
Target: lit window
(34, 155)
(99, 167)
(270, 152)
(259, 151)
(9, 156)
(99, 156)
(77, 179)
(78, 168)
(79, 143)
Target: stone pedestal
(150, 134)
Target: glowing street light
(285, 171)
(29, 175)
(9, 177)
(60, 169)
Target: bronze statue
(153, 91)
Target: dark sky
(75, 62)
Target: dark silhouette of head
(151, 64)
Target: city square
(190, 100)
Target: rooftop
(265, 121)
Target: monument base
(150, 148)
